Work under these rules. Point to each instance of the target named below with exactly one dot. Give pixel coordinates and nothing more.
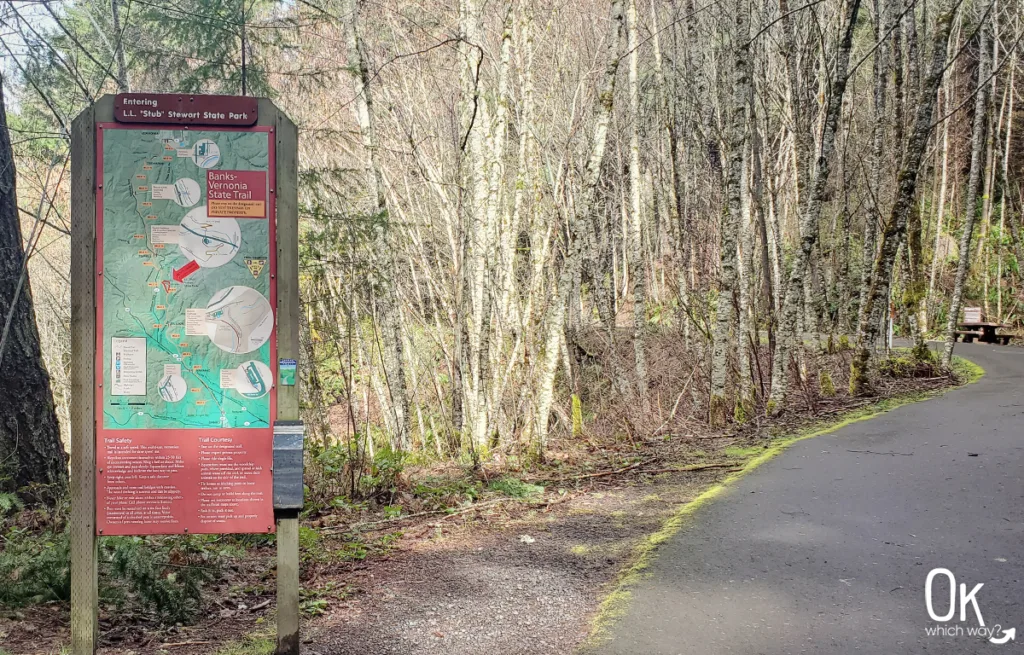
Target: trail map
(187, 320)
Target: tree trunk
(736, 140)
(636, 258)
(874, 213)
(939, 216)
(906, 191)
(473, 193)
(579, 222)
(803, 138)
(970, 209)
(789, 337)
(1003, 184)
(744, 337)
(123, 82)
(767, 276)
(913, 285)
(383, 246)
(32, 457)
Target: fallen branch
(473, 507)
(733, 466)
(873, 452)
(185, 643)
(672, 414)
(588, 476)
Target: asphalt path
(827, 548)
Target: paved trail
(826, 550)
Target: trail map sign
(184, 332)
(185, 327)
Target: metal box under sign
(288, 444)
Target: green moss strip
(616, 603)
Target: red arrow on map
(180, 274)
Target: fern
(10, 503)
(164, 575)
(34, 568)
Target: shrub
(385, 471)
(828, 389)
(34, 568)
(10, 503)
(165, 576)
(906, 365)
(438, 492)
(515, 488)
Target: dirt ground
(526, 585)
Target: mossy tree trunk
(725, 323)
(789, 337)
(906, 192)
(973, 180)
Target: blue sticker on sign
(286, 372)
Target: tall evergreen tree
(32, 457)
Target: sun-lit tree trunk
(386, 307)
(474, 115)
(636, 257)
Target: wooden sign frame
(85, 375)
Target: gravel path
(529, 588)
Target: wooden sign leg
(287, 396)
(288, 584)
(84, 281)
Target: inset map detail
(253, 379)
(187, 192)
(209, 242)
(205, 153)
(172, 388)
(239, 319)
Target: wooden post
(286, 196)
(84, 285)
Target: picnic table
(983, 332)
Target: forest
(533, 231)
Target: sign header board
(185, 109)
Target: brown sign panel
(184, 109)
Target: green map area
(187, 321)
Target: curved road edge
(615, 603)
